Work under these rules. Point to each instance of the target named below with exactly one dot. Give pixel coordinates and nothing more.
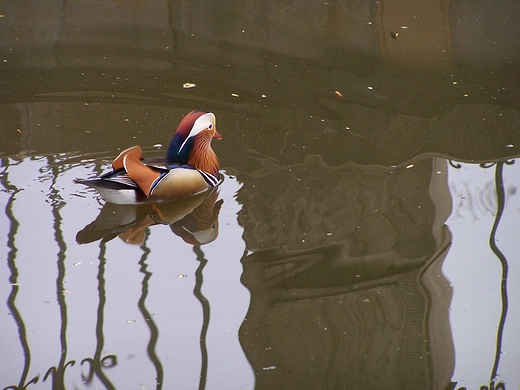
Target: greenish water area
(365, 232)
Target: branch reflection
(197, 291)
(13, 278)
(149, 321)
(499, 187)
(97, 361)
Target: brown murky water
(367, 222)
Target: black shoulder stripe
(210, 179)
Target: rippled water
(364, 236)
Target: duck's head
(193, 135)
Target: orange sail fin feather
(143, 175)
(189, 167)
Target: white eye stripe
(203, 122)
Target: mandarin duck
(190, 167)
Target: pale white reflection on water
(116, 290)
(475, 273)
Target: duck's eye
(210, 126)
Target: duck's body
(190, 167)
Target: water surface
(366, 233)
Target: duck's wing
(114, 180)
(116, 187)
(177, 183)
(158, 163)
(162, 163)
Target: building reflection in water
(345, 276)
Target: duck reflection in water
(194, 219)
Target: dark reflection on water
(334, 91)
(340, 123)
